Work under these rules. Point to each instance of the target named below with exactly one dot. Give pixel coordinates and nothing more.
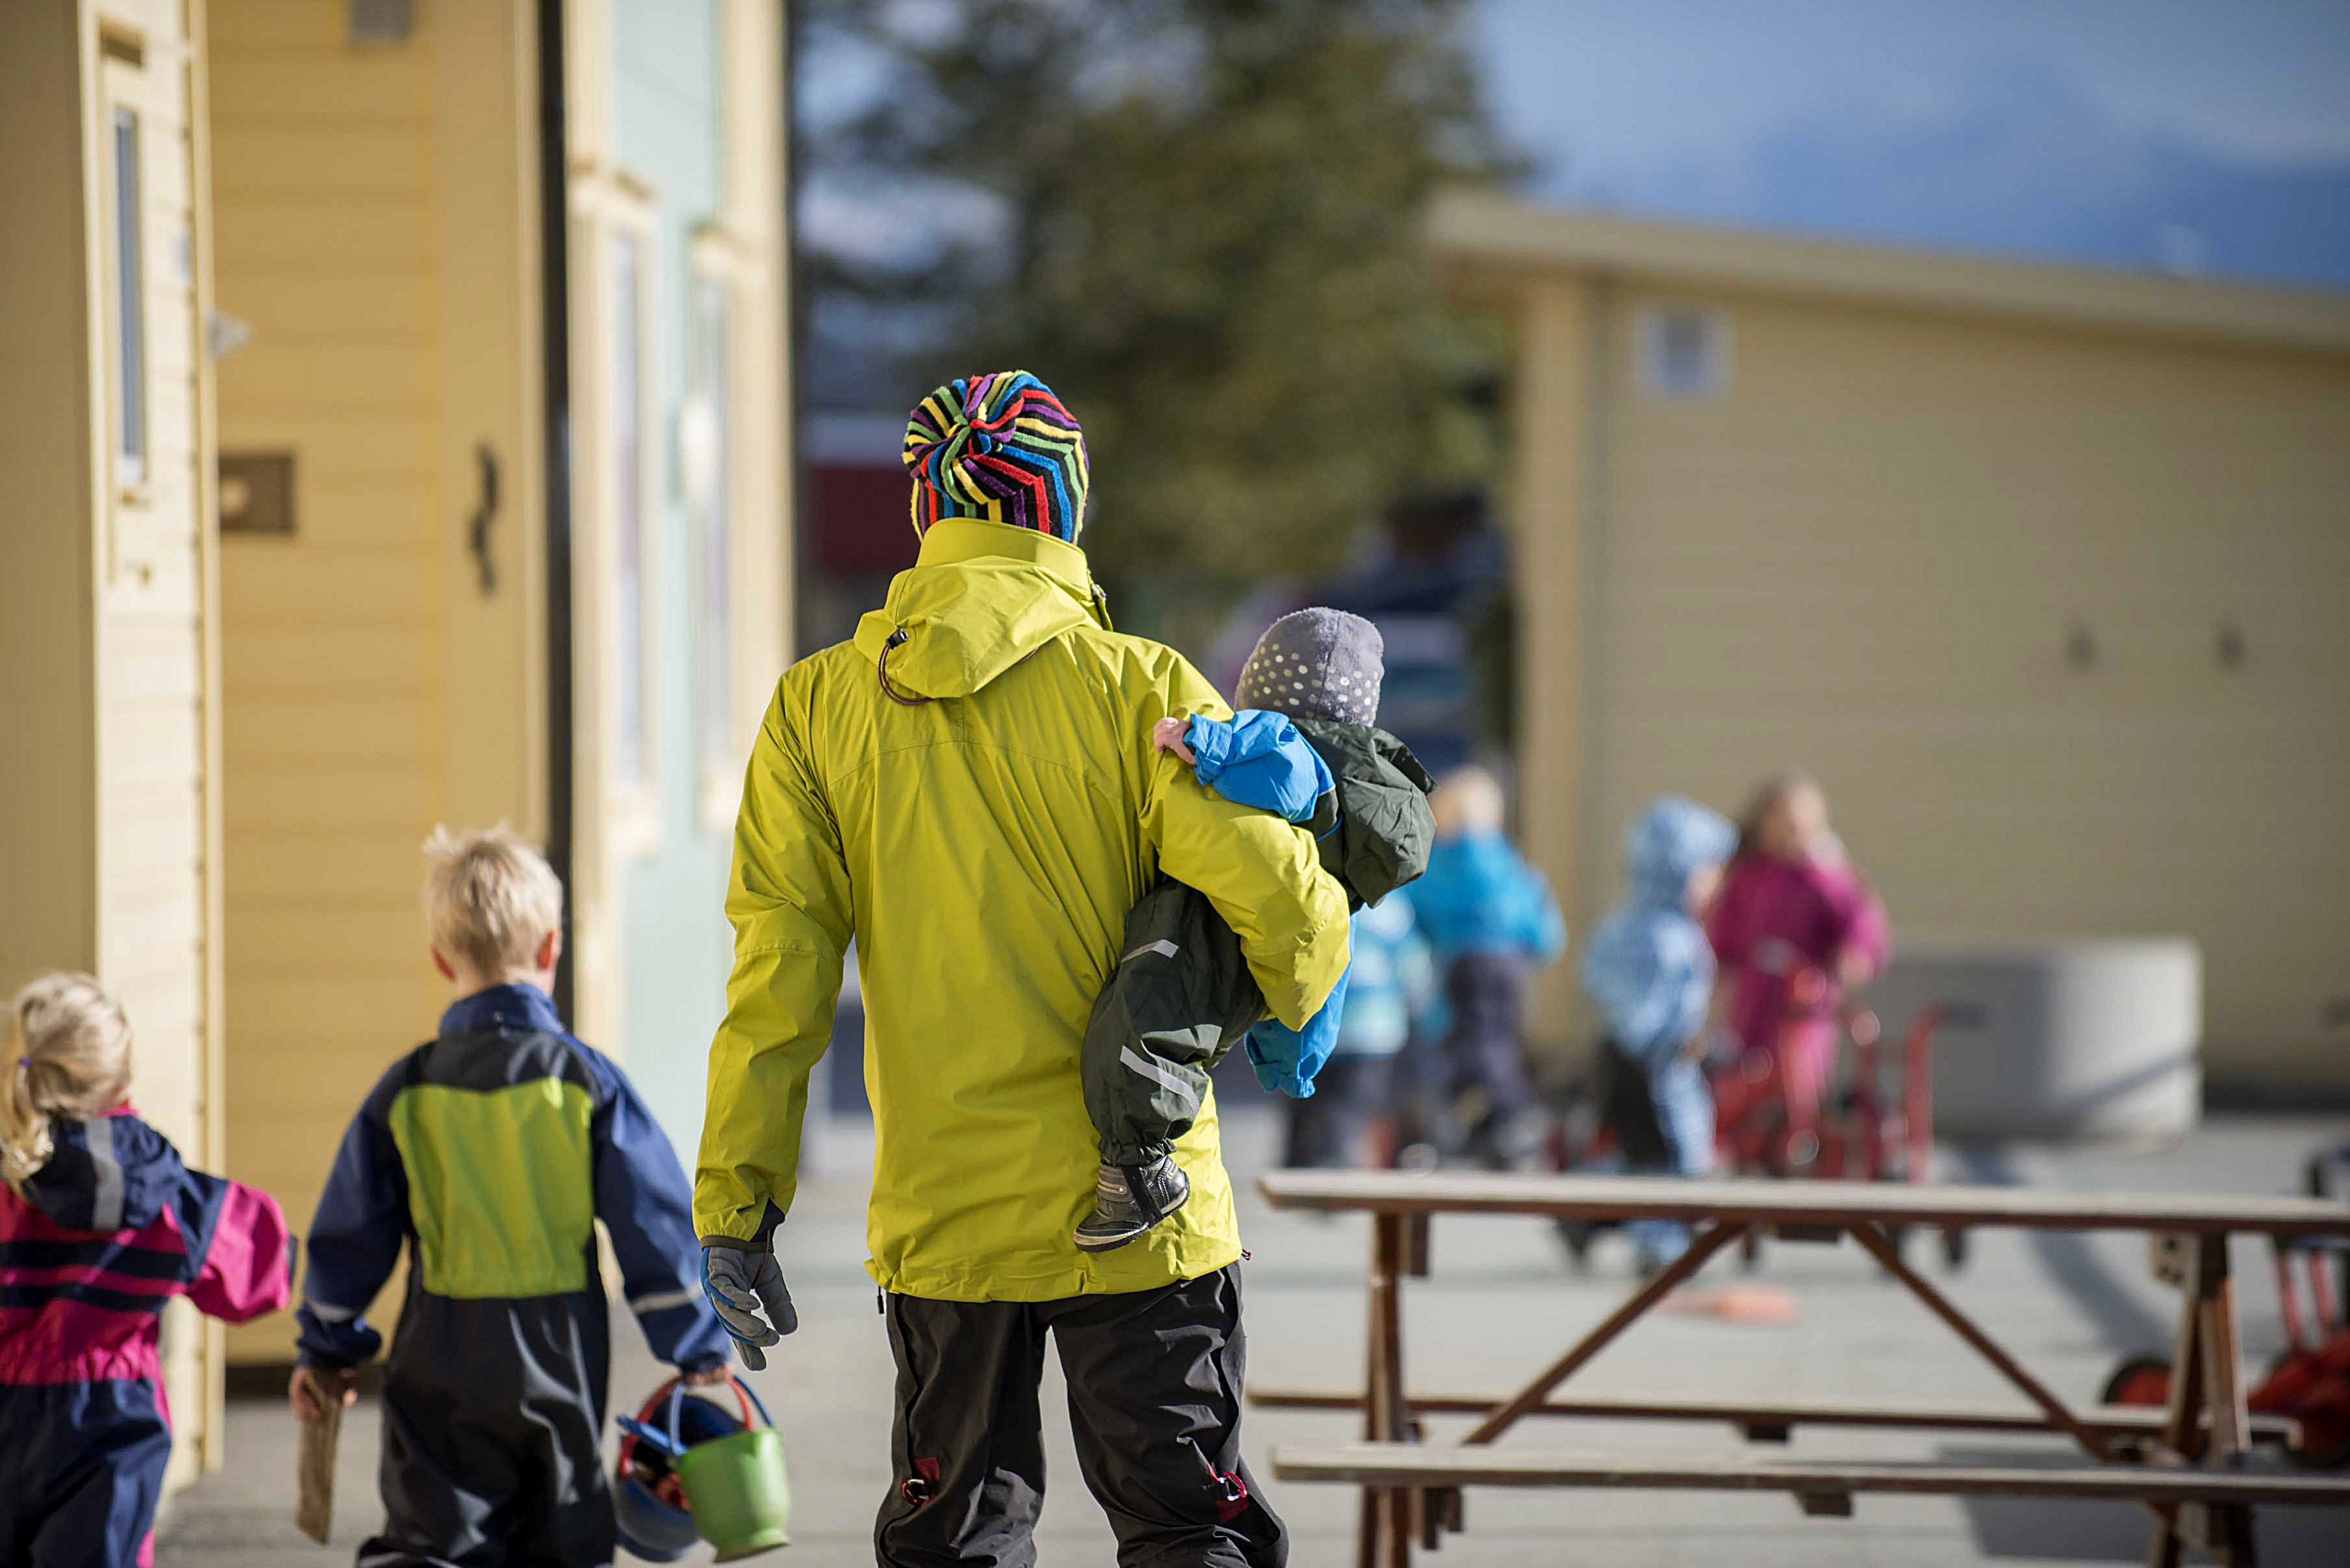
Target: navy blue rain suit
(490, 1153)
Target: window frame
(719, 263)
(123, 96)
(609, 211)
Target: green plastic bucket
(741, 1496)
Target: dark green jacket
(1181, 995)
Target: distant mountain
(2022, 165)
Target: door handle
(485, 513)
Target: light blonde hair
(490, 899)
(68, 1058)
(1467, 799)
(1773, 792)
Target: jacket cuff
(737, 1244)
(1212, 743)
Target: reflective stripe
(1150, 1069)
(106, 1207)
(326, 1313)
(658, 1299)
(1162, 947)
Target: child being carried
(1303, 746)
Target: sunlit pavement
(1501, 1302)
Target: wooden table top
(1799, 1202)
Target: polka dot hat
(1315, 664)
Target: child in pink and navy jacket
(100, 1224)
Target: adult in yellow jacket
(969, 791)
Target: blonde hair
(1773, 792)
(490, 900)
(68, 1058)
(1467, 799)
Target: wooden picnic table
(2182, 1465)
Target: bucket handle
(742, 1391)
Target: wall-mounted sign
(256, 493)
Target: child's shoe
(1129, 1199)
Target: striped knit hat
(1001, 447)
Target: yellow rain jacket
(981, 827)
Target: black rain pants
(1154, 1383)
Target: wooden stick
(314, 1508)
(1706, 1243)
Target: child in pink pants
(1790, 903)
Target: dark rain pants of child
(1325, 1131)
(495, 1458)
(80, 1471)
(1181, 997)
(1154, 1383)
(1485, 1048)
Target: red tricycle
(1761, 1128)
(2308, 1381)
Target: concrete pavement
(1500, 1305)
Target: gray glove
(747, 1289)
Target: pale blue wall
(675, 943)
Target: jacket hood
(981, 597)
(109, 1173)
(1672, 838)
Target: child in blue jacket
(489, 1153)
(1650, 970)
(1492, 920)
(1302, 746)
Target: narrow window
(720, 747)
(631, 750)
(1685, 352)
(129, 307)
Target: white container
(2055, 1037)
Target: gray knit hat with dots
(1317, 664)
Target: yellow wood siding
(323, 180)
(376, 217)
(1865, 557)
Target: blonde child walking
(489, 1153)
(100, 1225)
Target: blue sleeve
(1287, 1059)
(1650, 989)
(1545, 927)
(642, 1199)
(1259, 760)
(356, 1239)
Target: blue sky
(2194, 134)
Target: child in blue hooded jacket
(1649, 969)
(1302, 746)
(1493, 920)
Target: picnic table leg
(1704, 1245)
(2231, 1531)
(2207, 1376)
(1383, 1537)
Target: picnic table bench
(2182, 1463)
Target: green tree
(1205, 230)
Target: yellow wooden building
(375, 459)
(2039, 568)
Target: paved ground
(1501, 1303)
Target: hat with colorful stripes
(1000, 448)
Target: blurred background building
(396, 429)
(2034, 567)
